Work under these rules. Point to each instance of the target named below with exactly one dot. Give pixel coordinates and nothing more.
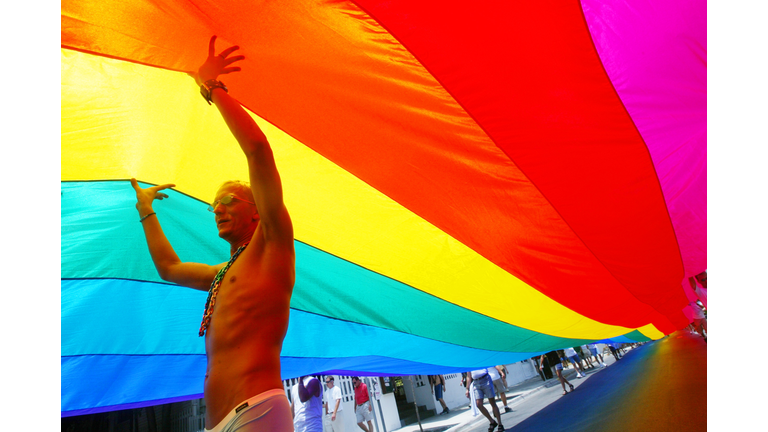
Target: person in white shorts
(334, 412)
(587, 357)
(497, 376)
(483, 387)
(596, 355)
(571, 355)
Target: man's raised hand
(216, 65)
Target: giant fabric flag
(470, 184)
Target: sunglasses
(226, 200)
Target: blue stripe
(104, 316)
(106, 383)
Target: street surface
(660, 386)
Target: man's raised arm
(264, 177)
(167, 263)
(312, 389)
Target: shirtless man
(244, 331)
(437, 383)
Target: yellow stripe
(122, 120)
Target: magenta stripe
(655, 53)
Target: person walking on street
(699, 320)
(544, 361)
(483, 387)
(363, 407)
(437, 383)
(586, 357)
(593, 350)
(571, 355)
(614, 351)
(497, 376)
(471, 393)
(334, 413)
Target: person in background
(571, 355)
(470, 393)
(497, 376)
(545, 362)
(614, 350)
(437, 383)
(702, 279)
(483, 387)
(307, 405)
(599, 357)
(700, 320)
(504, 373)
(363, 407)
(587, 358)
(334, 412)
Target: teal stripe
(102, 238)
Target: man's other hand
(144, 197)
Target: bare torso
(245, 336)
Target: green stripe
(637, 336)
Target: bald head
(241, 188)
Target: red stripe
(528, 73)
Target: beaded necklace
(214, 290)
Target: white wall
(407, 380)
(454, 395)
(424, 394)
(519, 372)
(384, 409)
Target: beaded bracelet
(142, 219)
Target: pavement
(659, 386)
